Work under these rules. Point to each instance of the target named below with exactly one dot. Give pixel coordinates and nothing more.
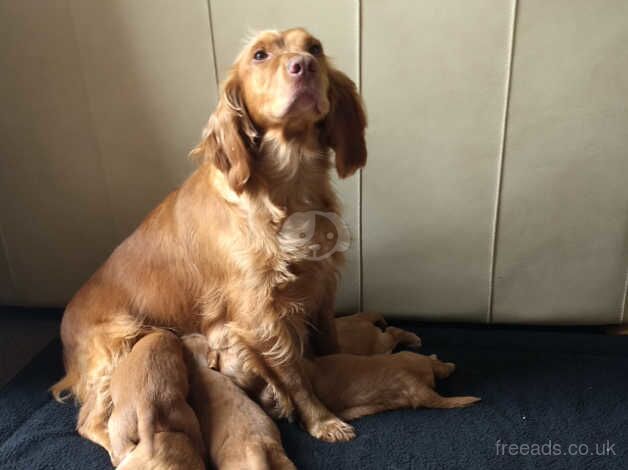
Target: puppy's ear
(228, 140)
(343, 128)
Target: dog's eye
(260, 55)
(315, 49)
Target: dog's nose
(301, 66)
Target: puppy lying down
(367, 333)
(238, 434)
(353, 386)
(171, 451)
(149, 388)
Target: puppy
(148, 390)
(238, 434)
(366, 333)
(354, 386)
(172, 451)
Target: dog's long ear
(228, 140)
(343, 128)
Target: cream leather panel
(6, 282)
(433, 79)
(101, 104)
(55, 215)
(149, 75)
(335, 23)
(563, 231)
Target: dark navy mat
(545, 391)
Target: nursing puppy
(238, 434)
(148, 390)
(172, 451)
(366, 333)
(353, 386)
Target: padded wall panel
(6, 279)
(149, 72)
(563, 232)
(336, 25)
(434, 77)
(55, 212)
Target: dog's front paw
(332, 430)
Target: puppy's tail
(146, 427)
(436, 401)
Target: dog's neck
(295, 171)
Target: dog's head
(283, 81)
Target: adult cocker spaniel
(216, 250)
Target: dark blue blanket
(551, 399)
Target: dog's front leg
(315, 417)
(283, 355)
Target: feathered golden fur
(212, 252)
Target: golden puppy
(148, 390)
(361, 334)
(237, 432)
(172, 451)
(354, 386)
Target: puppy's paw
(442, 370)
(404, 338)
(332, 430)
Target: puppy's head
(283, 81)
(197, 351)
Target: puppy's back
(149, 389)
(154, 364)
